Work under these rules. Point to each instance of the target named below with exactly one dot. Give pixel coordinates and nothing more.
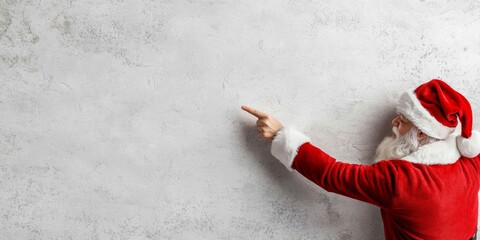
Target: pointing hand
(267, 125)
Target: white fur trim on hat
(285, 145)
(410, 106)
(469, 147)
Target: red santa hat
(436, 109)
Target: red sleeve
(369, 183)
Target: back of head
(436, 109)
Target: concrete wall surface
(121, 119)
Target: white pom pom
(469, 147)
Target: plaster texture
(121, 119)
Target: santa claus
(425, 177)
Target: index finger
(254, 112)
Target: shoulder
(397, 166)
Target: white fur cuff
(469, 147)
(286, 143)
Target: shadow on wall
(267, 163)
(382, 128)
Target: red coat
(419, 199)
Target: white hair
(401, 146)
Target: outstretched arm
(373, 184)
(369, 183)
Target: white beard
(396, 148)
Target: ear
(421, 136)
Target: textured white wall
(122, 120)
